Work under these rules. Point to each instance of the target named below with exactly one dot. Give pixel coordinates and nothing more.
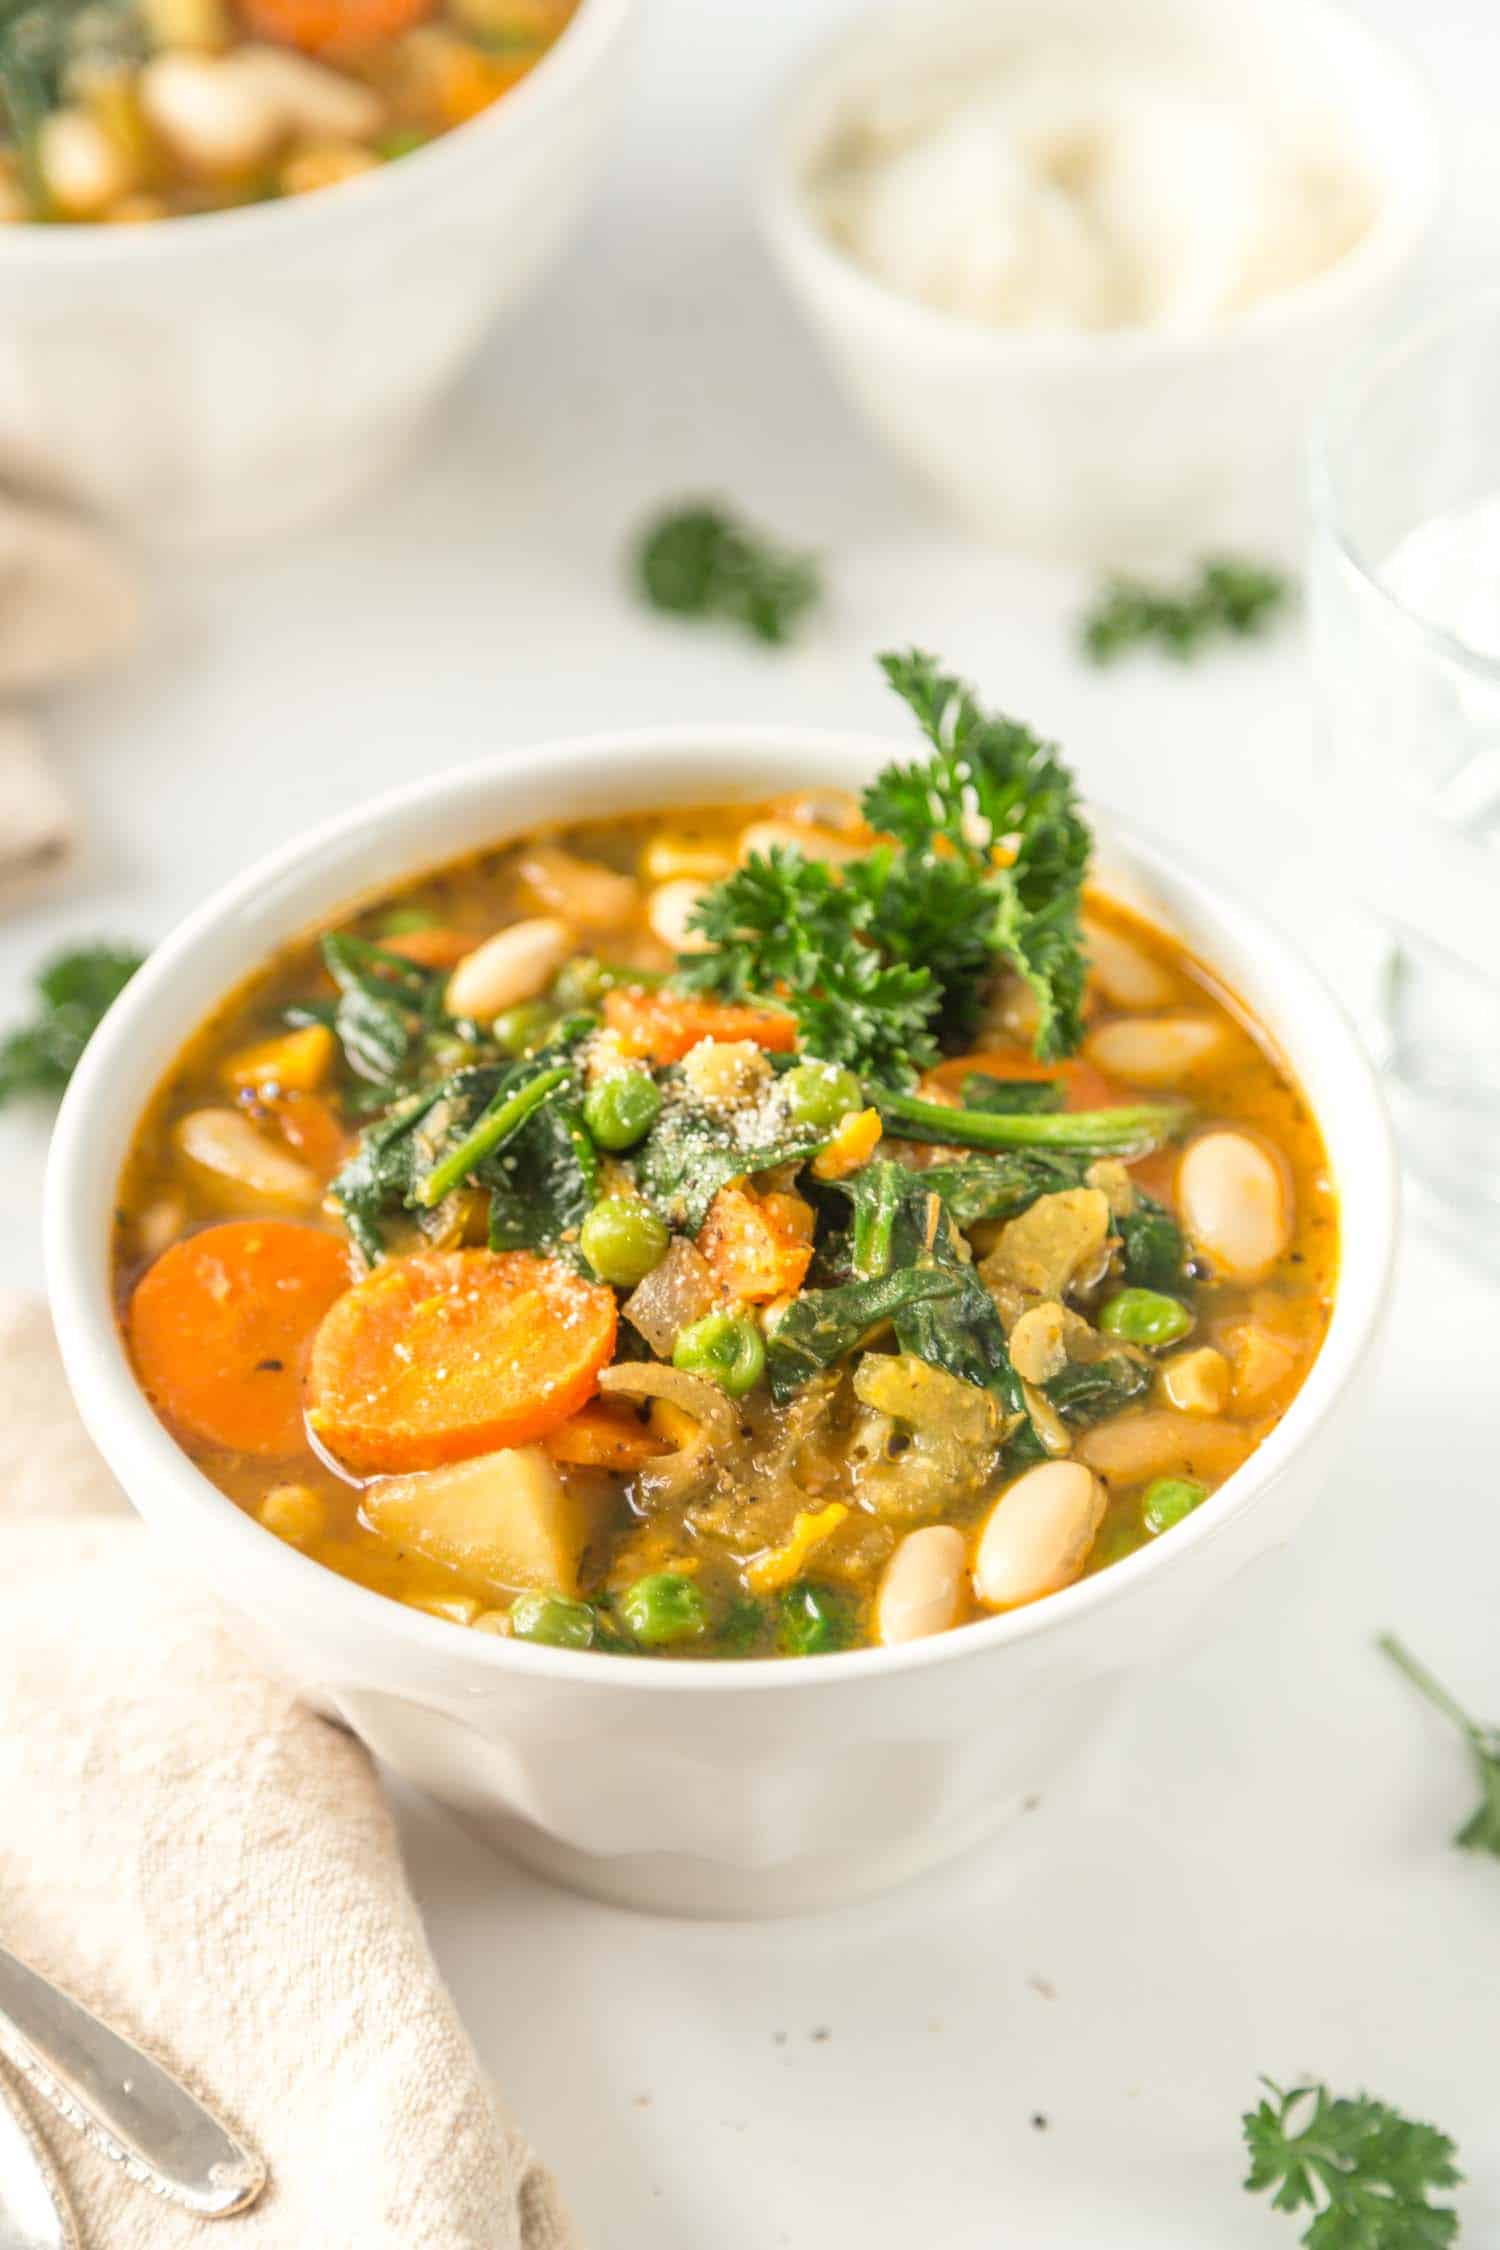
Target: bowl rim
(1396, 232)
(581, 44)
(122, 1422)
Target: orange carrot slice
(455, 1352)
(666, 1025)
(307, 1124)
(435, 948)
(327, 26)
(759, 1246)
(221, 1325)
(599, 1437)
(1084, 1087)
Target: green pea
(621, 1110)
(814, 1620)
(581, 982)
(1144, 1316)
(521, 1028)
(400, 142)
(623, 1240)
(660, 1610)
(402, 920)
(726, 1347)
(1167, 1500)
(451, 1051)
(819, 1093)
(553, 1619)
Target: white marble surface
(1254, 1876)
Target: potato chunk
(1060, 1243)
(503, 1520)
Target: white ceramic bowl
(1104, 446)
(714, 1788)
(243, 372)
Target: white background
(1253, 1874)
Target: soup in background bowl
(126, 111)
(726, 1785)
(255, 364)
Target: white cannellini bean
(84, 169)
(1159, 1442)
(668, 857)
(186, 23)
(1156, 1050)
(1125, 973)
(226, 1144)
(1038, 1535)
(211, 117)
(922, 1587)
(307, 96)
(667, 911)
(1234, 1204)
(514, 965)
(765, 836)
(580, 890)
(159, 1225)
(823, 808)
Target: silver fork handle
(120, 2099)
(34, 2210)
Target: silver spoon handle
(127, 2105)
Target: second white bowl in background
(242, 372)
(1102, 444)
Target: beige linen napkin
(68, 603)
(212, 1868)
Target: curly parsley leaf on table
(73, 992)
(1481, 1831)
(1365, 2173)
(700, 560)
(1228, 600)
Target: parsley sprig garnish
(890, 957)
(701, 561)
(785, 925)
(1365, 2172)
(1481, 1831)
(997, 800)
(1227, 600)
(73, 990)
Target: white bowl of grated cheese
(1088, 265)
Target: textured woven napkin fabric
(212, 1868)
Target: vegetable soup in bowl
(722, 1248)
(275, 230)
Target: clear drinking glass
(1404, 614)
